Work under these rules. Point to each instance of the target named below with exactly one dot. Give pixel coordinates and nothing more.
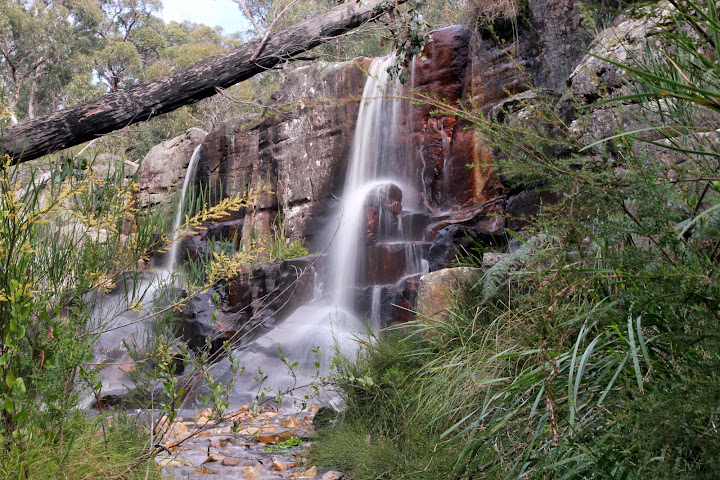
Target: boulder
(521, 208)
(270, 292)
(594, 79)
(456, 241)
(163, 169)
(439, 289)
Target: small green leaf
(9, 379)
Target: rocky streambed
(246, 443)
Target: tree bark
(37, 137)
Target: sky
(225, 13)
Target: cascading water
(377, 186)
(172, 256)
(379, 189)
(115, 314)
(374, 149)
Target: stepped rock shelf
(301, 150)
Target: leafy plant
(592, 351)
(289, 443)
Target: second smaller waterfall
(172, 254)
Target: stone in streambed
(273, 437)
(230, 462)
(311, 472)
(291, 422)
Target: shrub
(595, 355)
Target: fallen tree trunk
(40, 136)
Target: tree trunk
(31, 98)
(40, 136)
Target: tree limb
(73, 126)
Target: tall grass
(594, 352)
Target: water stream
(379, 191)
(125, 327)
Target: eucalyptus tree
(41, 43)
(120, 63)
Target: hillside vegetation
(591, 351)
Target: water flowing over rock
(381, 187)
(163, 169)
(298, 152)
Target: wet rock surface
(244, 444)
(293, 158)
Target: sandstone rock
(438, 290)
(443, 147)
(527, 204)
(250, 472)
(168, 462)
(594, 79)
(220, 442)
(163, 169)
(297, 151)
(458, 240)
(280, 465)
(212, 458)
(229, 154)
(273, 437)
(311, 472)
(205, 412)
(230, 462)
(176, 429)
(271, 289)
(291, 422)
(332, 475)
(204, 471)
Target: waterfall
(374, 148)
(376, 179)
(379, 188)
(120, 324)
(172, 255)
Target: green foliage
(591, 352)
(279, 246)
(61, 244)
(108, 447)
(381, 432)
(289, 443)
(43, 45)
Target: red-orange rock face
(456, 167)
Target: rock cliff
(292, 159)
